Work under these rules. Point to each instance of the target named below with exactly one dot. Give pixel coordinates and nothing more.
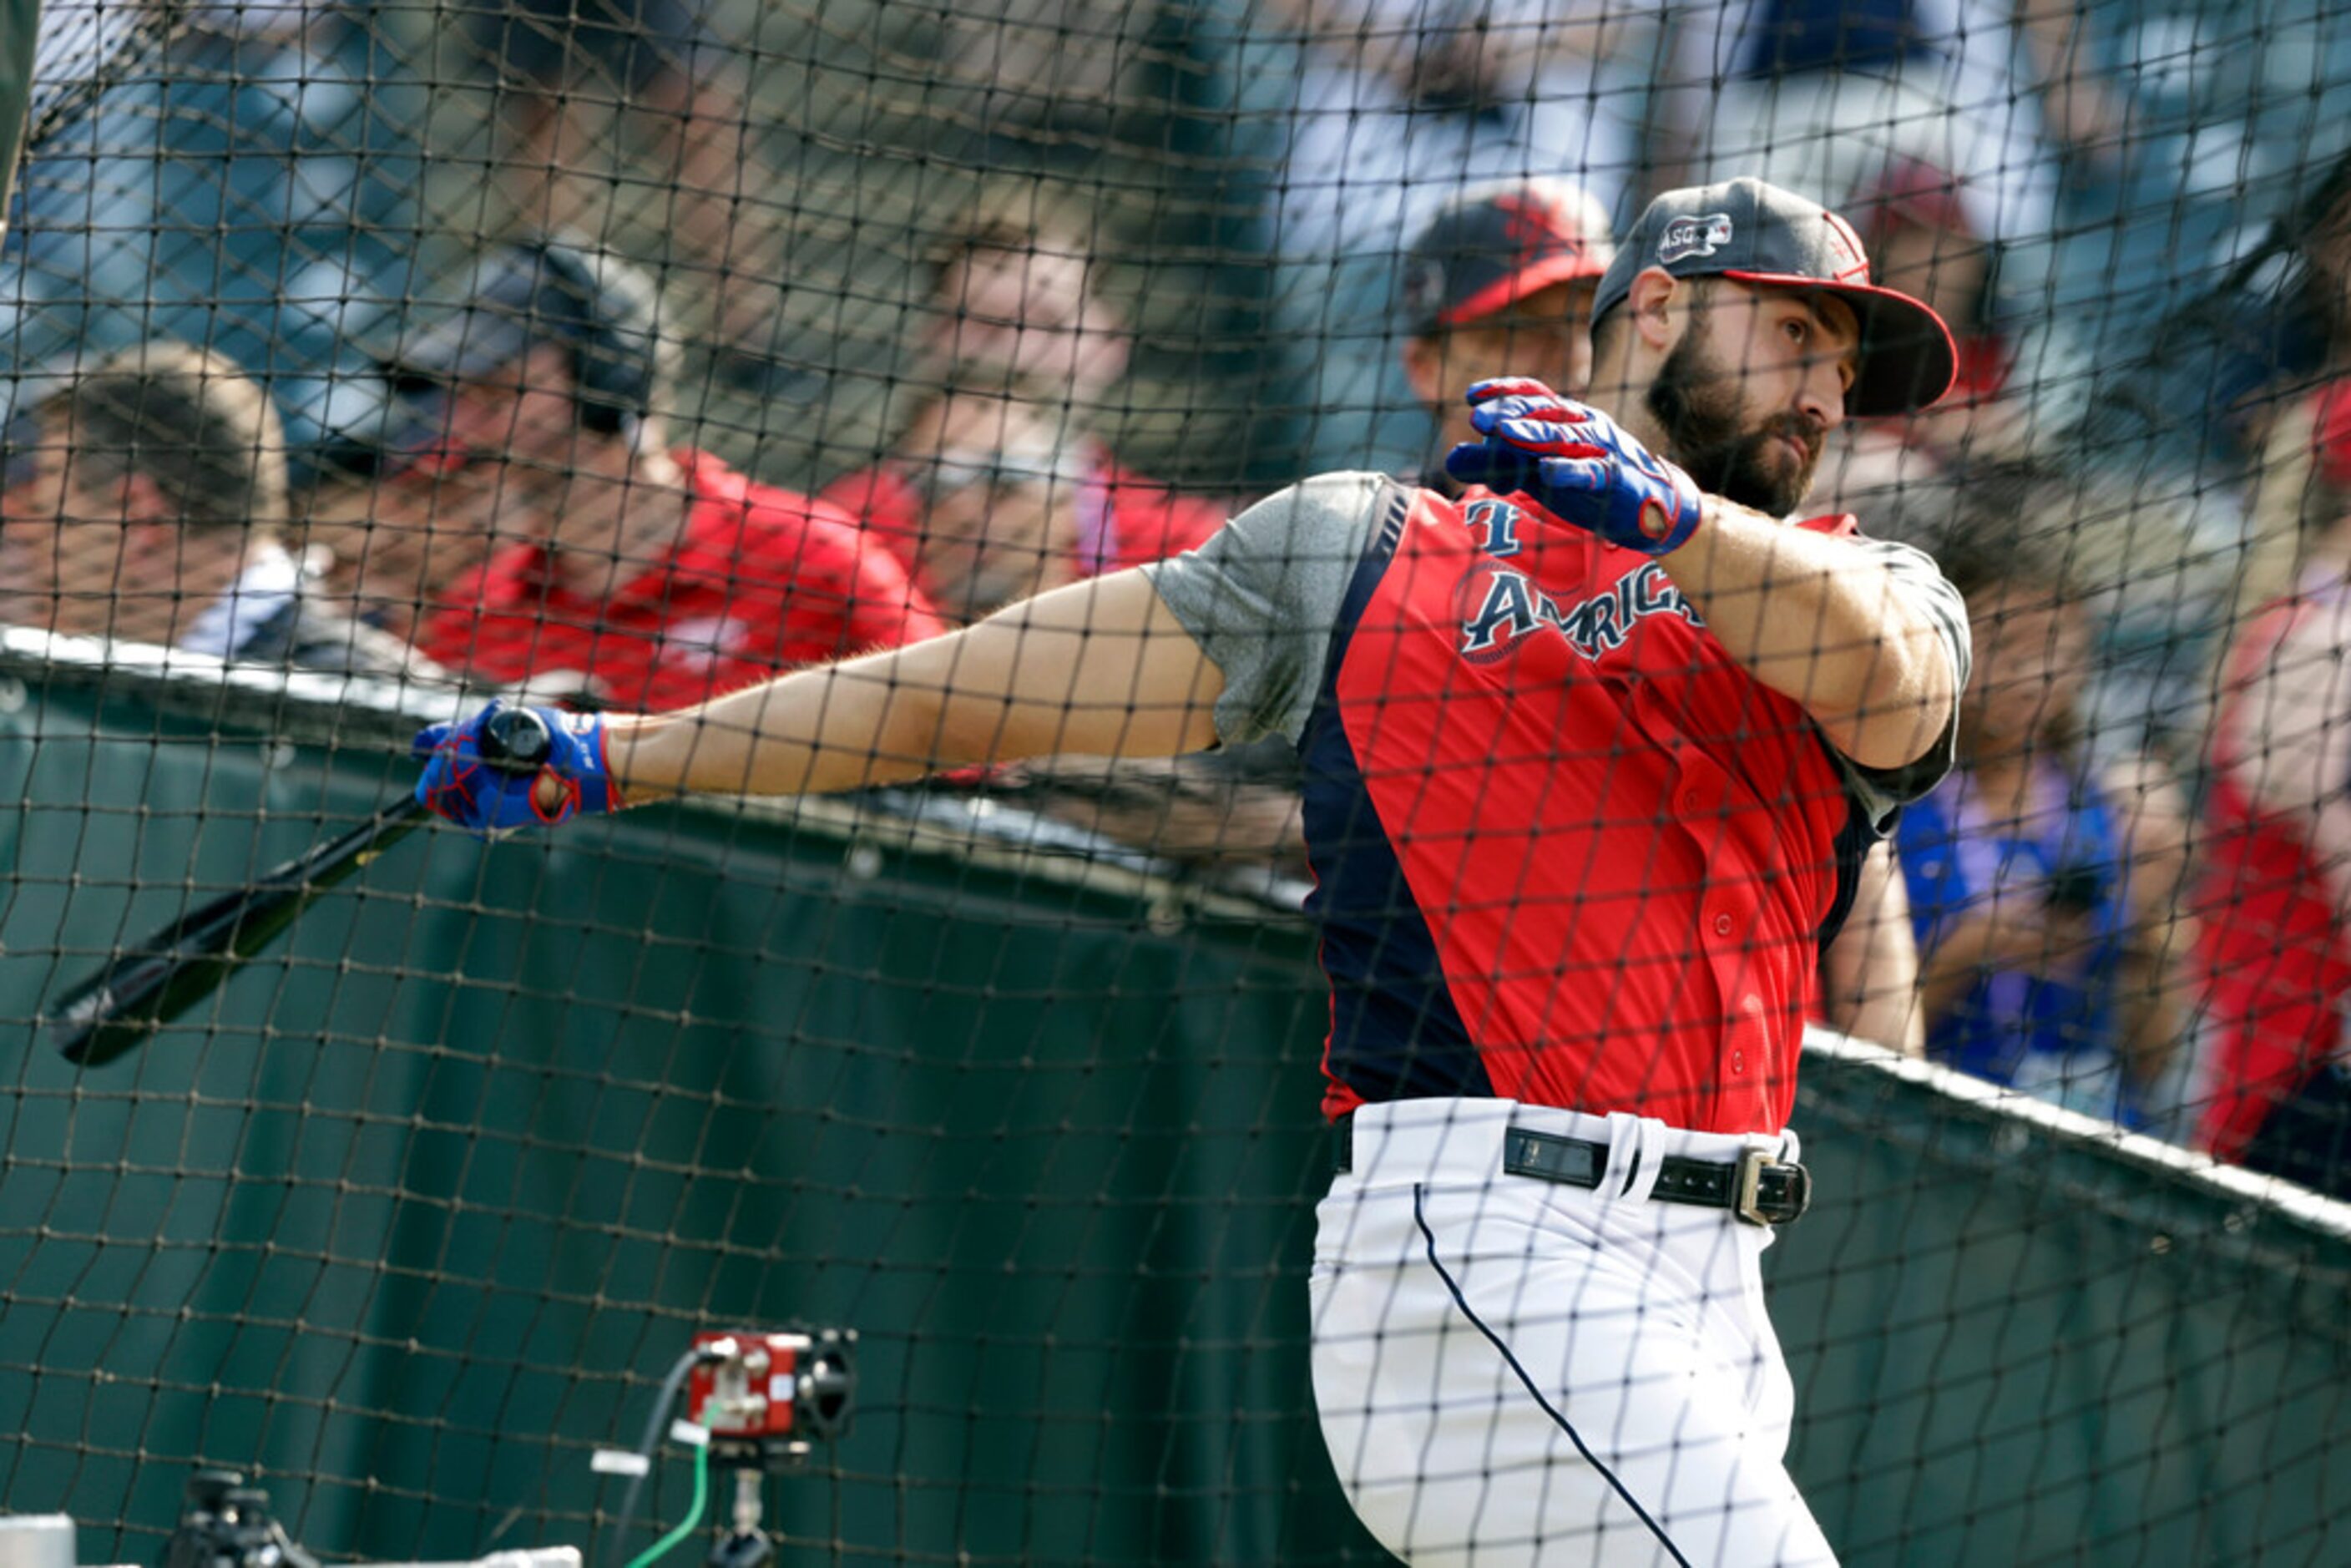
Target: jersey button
(1723, 926)
(1689, 803)
(1738, 1061)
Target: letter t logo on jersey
(1495, 524)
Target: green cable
(693, 1515)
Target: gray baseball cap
(1755, 233)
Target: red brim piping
(1567, 268)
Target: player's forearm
(820, 731)
(1868, 995)
(1101, 668)
(2052, 37)
(1823, 624)
(1870, 973)
(1883, 1015)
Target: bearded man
(1591, 756)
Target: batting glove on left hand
(481, 787)
(1578, 464)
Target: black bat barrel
(165, 974)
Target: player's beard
(1697, 401)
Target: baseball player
(1590, 752)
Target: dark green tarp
(409, 1221)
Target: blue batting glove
(1578, 464)
(478, 774)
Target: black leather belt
(1756, 1187)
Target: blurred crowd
(2133, 898)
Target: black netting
(986, 520)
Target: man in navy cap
(1501, 282)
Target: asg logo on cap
(1686, 238)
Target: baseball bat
(125, 1004)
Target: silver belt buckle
(1751, 1185)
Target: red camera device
(766, 1398)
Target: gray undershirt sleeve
(1262, 596)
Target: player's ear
(1655, 293)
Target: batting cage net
(1321, 703)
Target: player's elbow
(1900, 703)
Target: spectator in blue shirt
(2042, 882)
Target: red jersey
(2277, 970)
(1566, 850)
(1123, 519)
(760, 580)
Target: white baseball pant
(1513, 1371)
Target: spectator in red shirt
(989, 494)
(632, 573)
(2277, 892)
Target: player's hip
(1619, 1213)
(1628, 1177)
(1483, 1332)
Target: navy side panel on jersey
(1853, 842)
(1394, 1031)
